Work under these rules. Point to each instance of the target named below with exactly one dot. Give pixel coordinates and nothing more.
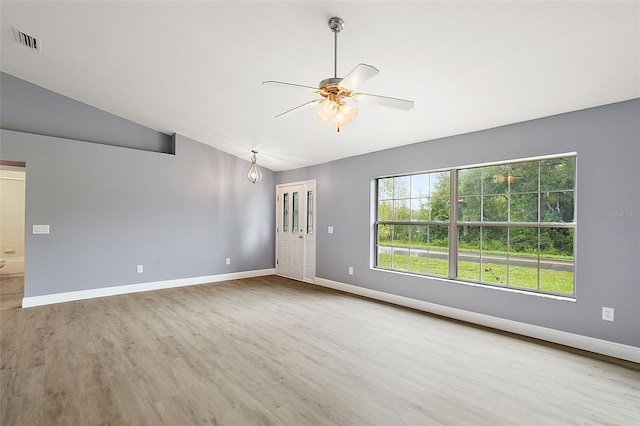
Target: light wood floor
(273, 351)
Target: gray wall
(607, 140)
(111, 208)
(29, 108)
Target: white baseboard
(49, 299)
(604, 347)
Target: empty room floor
(271, 351)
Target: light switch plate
(40, 229)
(330, 229)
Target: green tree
(440, 196)
(402, 209)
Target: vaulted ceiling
(196, 68)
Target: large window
(510, 224)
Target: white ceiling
(196, 68)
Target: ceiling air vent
(27, 40)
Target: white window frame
(454, 223)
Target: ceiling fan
(335, 92)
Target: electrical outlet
(330, 229)
(350, 270)
(140, 269)
(607, 313)
(228, 261)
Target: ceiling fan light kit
(335, 91)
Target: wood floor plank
(272, 351)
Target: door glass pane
(285, 212)
(294, 225)
(309, 212)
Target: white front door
(295, 231)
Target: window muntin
(514, 224)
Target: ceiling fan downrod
(336, 24)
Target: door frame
(19, 166)
(309, 240)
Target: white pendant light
(254, 175)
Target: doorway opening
(12, 233)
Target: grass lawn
(551, 281)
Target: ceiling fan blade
(384, 101)
(282, 83)
(300, 107)
(359, 74)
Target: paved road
(545, 263)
